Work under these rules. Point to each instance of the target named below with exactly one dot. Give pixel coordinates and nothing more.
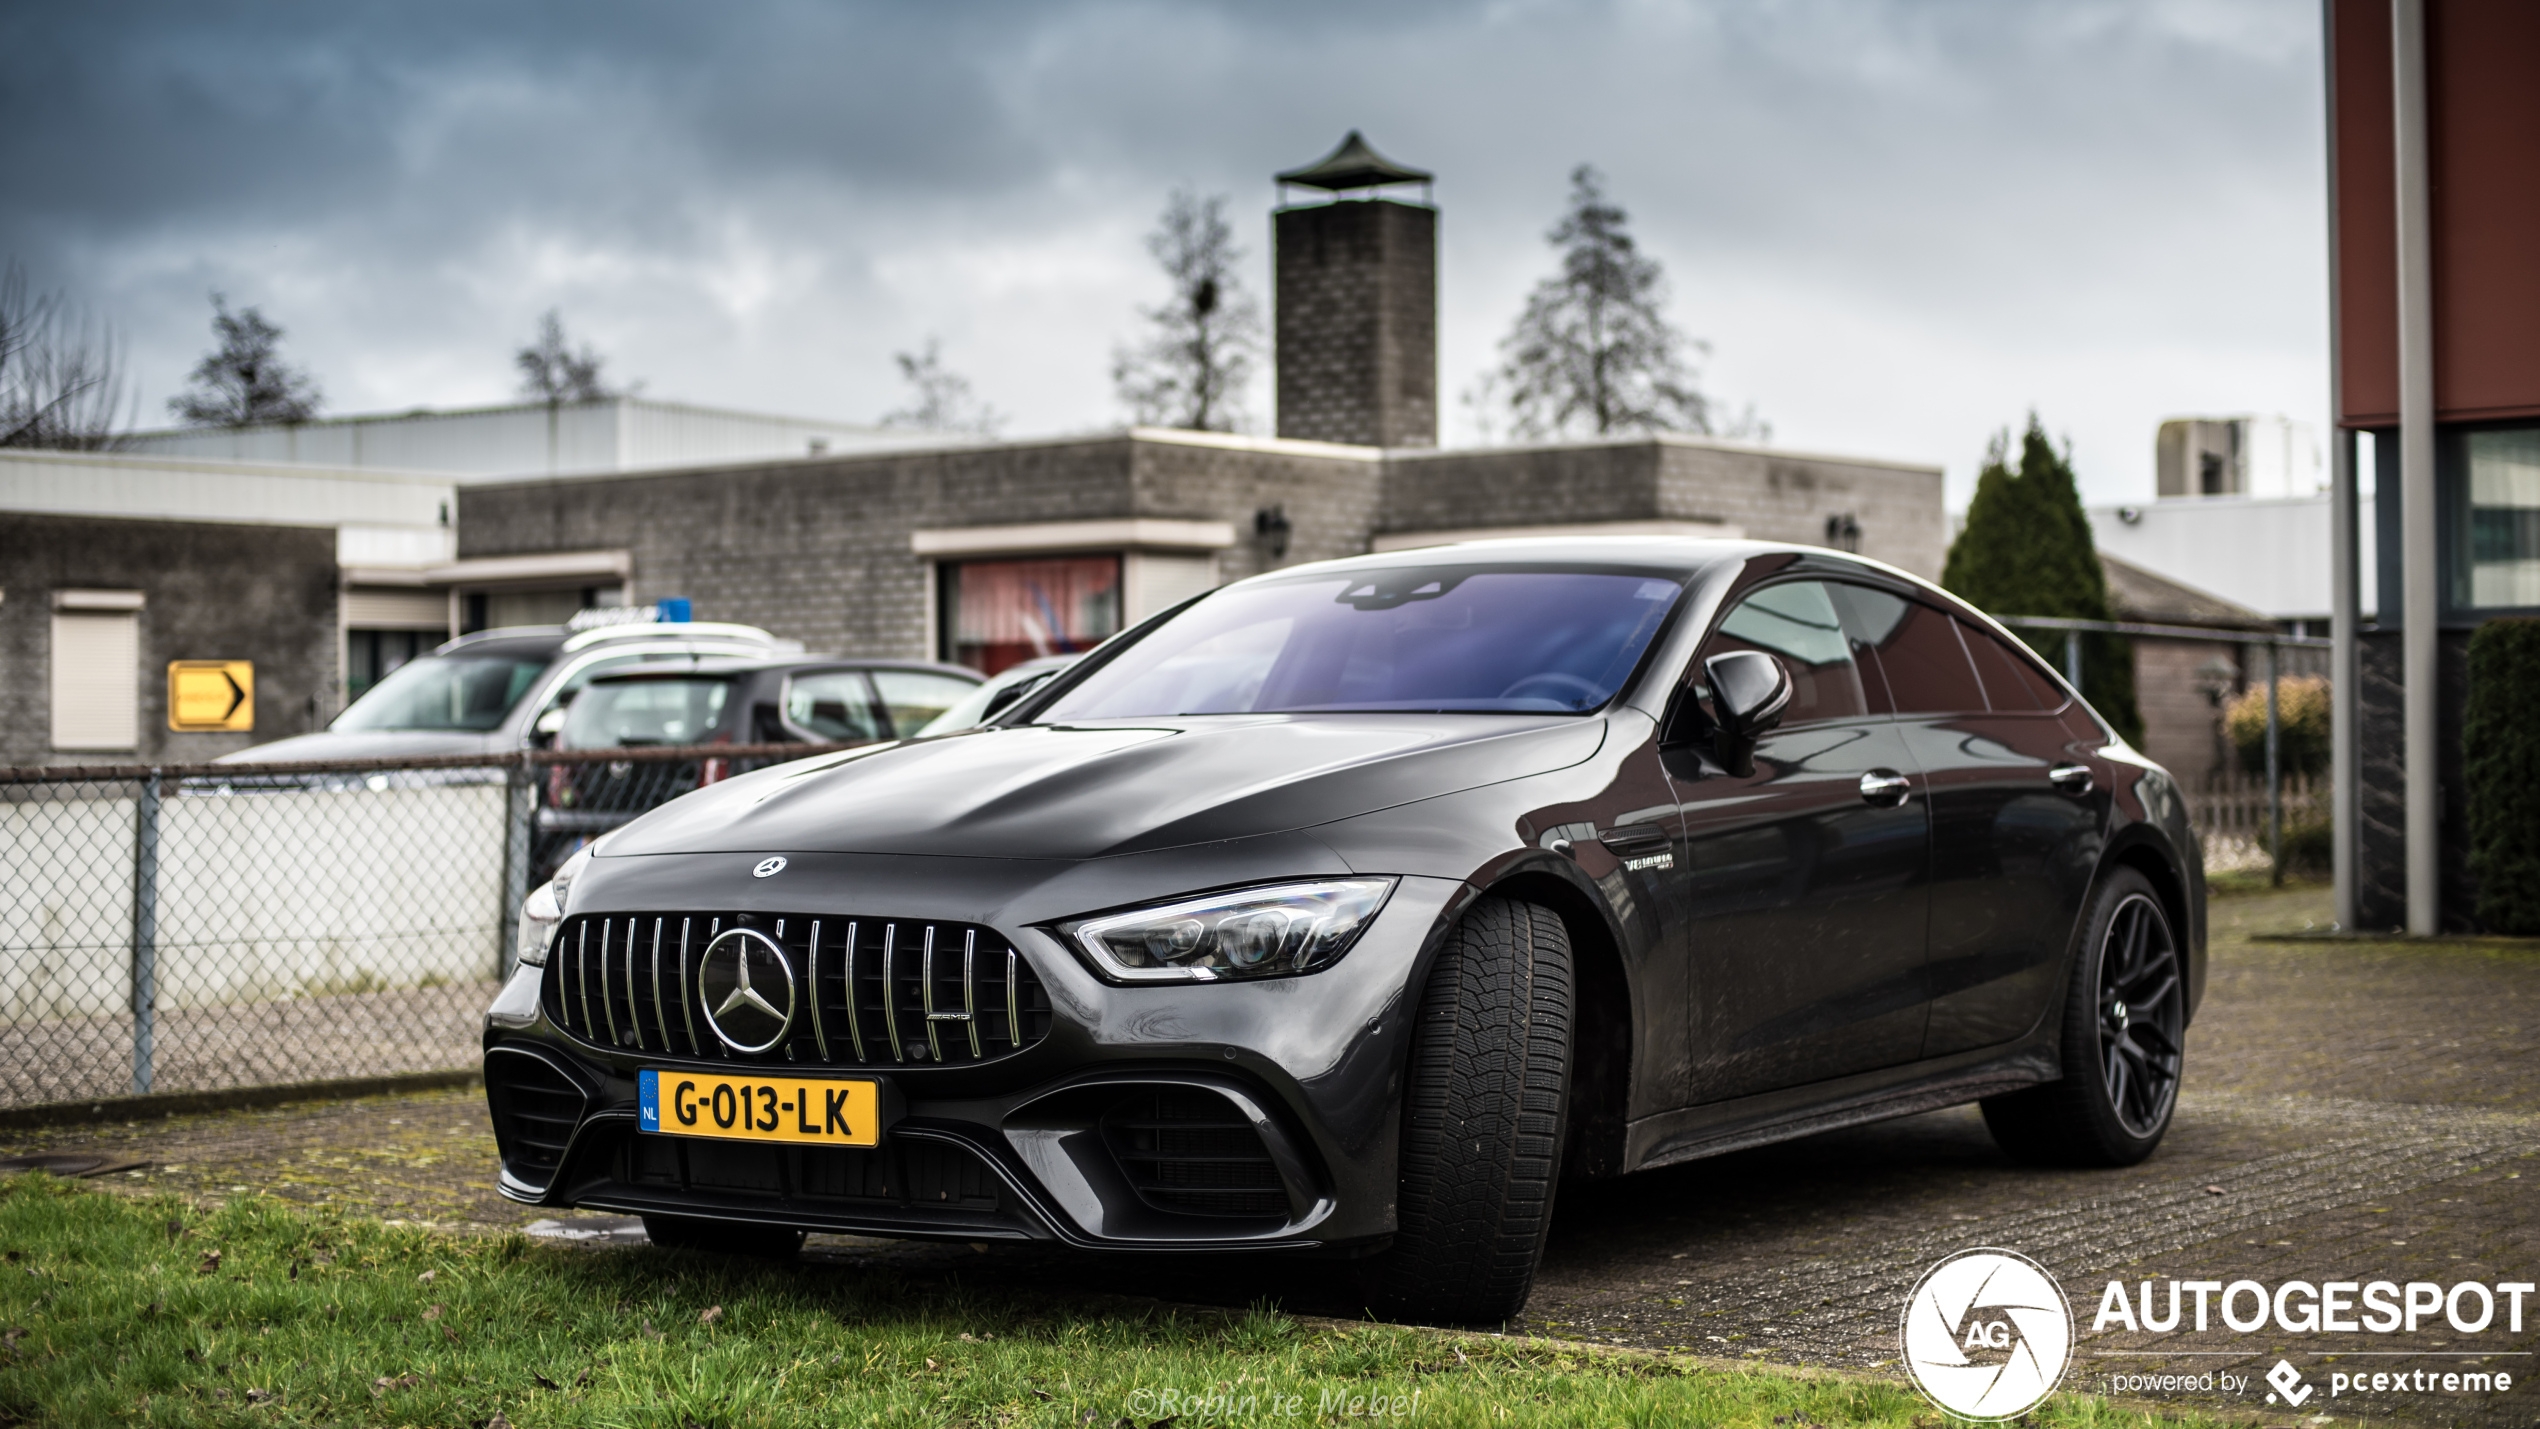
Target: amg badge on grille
(746, 986)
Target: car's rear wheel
(722, 1237)
(1482, 1120)
(2125, 1020)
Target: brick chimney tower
(1356, 280)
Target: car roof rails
(677, 630)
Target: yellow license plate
(824, 1111)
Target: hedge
(2500, 749)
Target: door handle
(1886, 788)
(2073, 779)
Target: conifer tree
(2026, 550)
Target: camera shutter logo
(1987, 1334)
(746, 985)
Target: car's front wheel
(2125, 1022)
(721, 1237)
(1482, 1120)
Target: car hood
(330, 744)
(1083, 791)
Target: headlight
(538, 918)
(544, 909)
(1257, 932)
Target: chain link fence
(196, 927)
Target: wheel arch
(1602, 1046)
(2139, 850)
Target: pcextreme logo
(1987, 1334)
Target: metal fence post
(2275, 776)
(520, 812)
(145, 930)
(2072, 658)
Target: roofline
(230, 466)
(418, 413)
(1668, 439)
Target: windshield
(1530, 639)
(455, 692)
(625, 713)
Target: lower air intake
(1189, 1152)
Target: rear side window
(2012, 685)
(628, 714)
(836, 706)
(1796, 622)
(1922, 664)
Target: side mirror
(1749, 691)
(551, 723)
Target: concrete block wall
(1356, 324)
(1769, 495)
(212, 590)
(818, 550)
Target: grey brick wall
(1356, 296)
(818, 550)
(1772, 496)
(212, 590)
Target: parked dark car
(704, 700)
(1350, 908)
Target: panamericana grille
(867, 991)
(1192, 1153)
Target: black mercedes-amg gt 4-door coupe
(1351, 909)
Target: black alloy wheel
(2142, 1002)
(2124, 1040)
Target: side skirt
(1794, 1112)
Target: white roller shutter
(96, 679)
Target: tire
(722, 1237)
(1482, 1121)
(2125, 1014)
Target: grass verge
(121, 1310)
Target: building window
(371, 655)
(1000, 613)
(96, 670)
(2496, 531)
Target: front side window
(445, 692)
(2496, 532)
(1796, 623)
(1001, 613)
(1504, 639)
(629, 714)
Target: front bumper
(1106, 1133)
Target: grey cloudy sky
(1899, 223)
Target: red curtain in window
(1004, 612)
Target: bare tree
(244, 380)
(61, 377)
(551, 371)
(940, 397)
(1593, 352)
(1192, 368)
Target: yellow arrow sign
(211, 694)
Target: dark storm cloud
(1900, 223)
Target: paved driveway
(2355, 1112)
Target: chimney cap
(1353, 165)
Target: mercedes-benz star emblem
(746, 986)
(768, 867)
